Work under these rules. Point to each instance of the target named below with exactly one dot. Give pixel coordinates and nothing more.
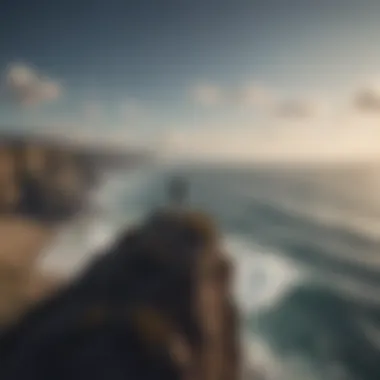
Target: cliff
(43, 182)
(156, 305)
(48, 179)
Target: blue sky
(194, 68)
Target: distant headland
(48, 178)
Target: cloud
(25, 86)
(207, 95)
(269, 100)
(297, 109)
(257, 96)
(368, 99)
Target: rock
(48, 180)
(43, 183)
(157, 305)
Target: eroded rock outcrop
(157, 305)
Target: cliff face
(43, 182)
(49, 181)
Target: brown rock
(164, 287)
(218, 355)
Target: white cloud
(257, 96)
(207, 95)
(336, 137)
(274, 104)
(297, 109)
(27, 87)
(260, 98)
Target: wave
(331, 250)
(115, 205)
(323, 327)
(261, 276)
(308, 290)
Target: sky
(241, 79)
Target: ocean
(305, 241)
